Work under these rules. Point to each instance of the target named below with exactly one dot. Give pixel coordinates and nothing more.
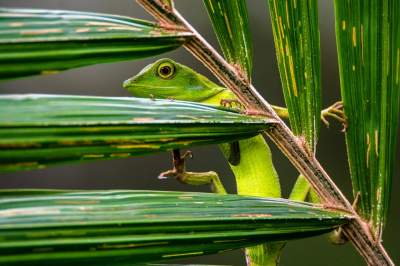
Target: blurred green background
(141, 173)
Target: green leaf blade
(39, 130)
(368, 43)
(231, 25)
(34, 41)
(297, 45)
(47, 227)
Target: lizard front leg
(192, 178)
(334, 111)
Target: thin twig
(357, 231)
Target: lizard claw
(337, 237)
(335, 111)
(187, 154)
(179, 168)
(229, 103)
(178, 162)
(166, 174)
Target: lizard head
(166, 78)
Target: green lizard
(253, 169)
(167, 79)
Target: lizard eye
(166, 70)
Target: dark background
(142, 172)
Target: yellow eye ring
(166, 70)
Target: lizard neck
(224, 94)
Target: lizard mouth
(146, 90)
(128, 83)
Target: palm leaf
(38, 130)
(34, 41)
(296, 37)
(368, 40)
(231, 25)
(108, 227)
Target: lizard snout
(128, 83)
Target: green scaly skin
(255, 174)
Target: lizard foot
(337, 237)
(178, 162)
(335, 111)
(192, 178)
(231, 103)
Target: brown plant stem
(357, 231)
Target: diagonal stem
(357, 231)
